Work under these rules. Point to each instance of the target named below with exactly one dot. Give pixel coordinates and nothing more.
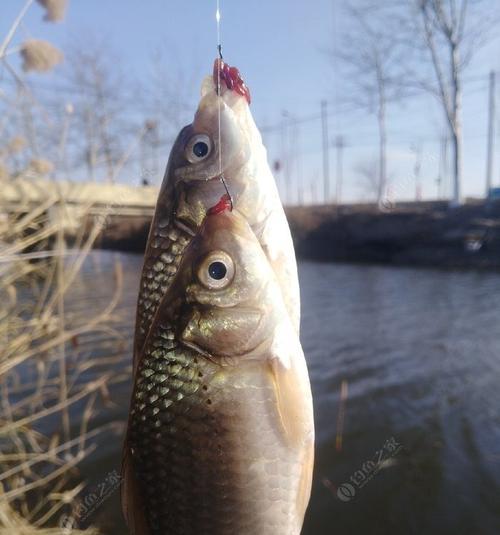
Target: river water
(405, 372)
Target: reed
(42, 372)
(55, 362)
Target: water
(420, 353)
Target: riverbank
(429, 234)
(412, 234)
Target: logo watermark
(382, 457)
(91, 501)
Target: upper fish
(222, 140)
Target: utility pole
(340, 169)
(416, 172)
(326, 158)
(491, 133)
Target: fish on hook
(192, 185)
(220, 436)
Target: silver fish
(220, 436)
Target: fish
(222, 141)
(220, 436)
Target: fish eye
(198, 148)
(216, 271)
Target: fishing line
(218, 89)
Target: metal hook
(224, 183)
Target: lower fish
(220, 436)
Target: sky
(279, 47)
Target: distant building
(494, 194)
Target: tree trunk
(456, 126)
(382, 182)
(456, 139)
(382, 179)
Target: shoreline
(427, 235)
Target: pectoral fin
(294, 408)
(292, 403)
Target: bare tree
(452, 31)
(101, 120)
(373, 56)
(168, 97)
(117, 122)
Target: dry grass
(41, 370)
(57, 363)
(11, 523)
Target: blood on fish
(232, 78)
(223, 205)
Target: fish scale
(187, 431)
(162, 260)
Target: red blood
(231, 77)
(223, 205)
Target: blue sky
(278, 47)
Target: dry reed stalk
(34, 337)
(12, 30)
(43, 374)
(11, 523)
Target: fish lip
(187, 179)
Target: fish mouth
(194, 200)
